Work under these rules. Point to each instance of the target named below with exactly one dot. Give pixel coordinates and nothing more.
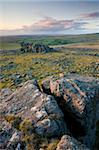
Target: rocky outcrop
(36, 48)
(29, 102)
(78, 97)
(40, 48)
(69, 143)
(66, 105)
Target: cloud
(51, 25)
(93, 15)
(48, 26)
(91, 26)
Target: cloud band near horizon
(88, 22)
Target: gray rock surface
(4, 93)
(5, 134)
(15, 142)
(78, 97)
(67, 105)
(29, 102)
(69, 143)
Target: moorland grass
(39, 66)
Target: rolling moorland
(50, 100)
(73, 54)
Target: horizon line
(49, 34)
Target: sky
(29, 17)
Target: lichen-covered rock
(4, 93)
(77, 97)
(29, 102)
(69, 143)
(67, 105)
(15, 142)
(6, 132)
(46, 85)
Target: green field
(13, 42)
(17, 68)
(9, 46)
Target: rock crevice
(65, 106)
(77, 97)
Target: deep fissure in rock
(73, 125)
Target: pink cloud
(93, 15)
(49, 23)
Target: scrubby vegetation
(29, 137)
(13, 42)
(14, 120)
(16, 69)
(53, 145)
(26, 127)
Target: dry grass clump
(53, 145)
(13, 120)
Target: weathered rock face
(15, 142)
(77, 97)
(29, 102)
(67, 105)
(4, 93)
(69, 143)
(5, 135)
(10, 138)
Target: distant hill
(13, 42)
